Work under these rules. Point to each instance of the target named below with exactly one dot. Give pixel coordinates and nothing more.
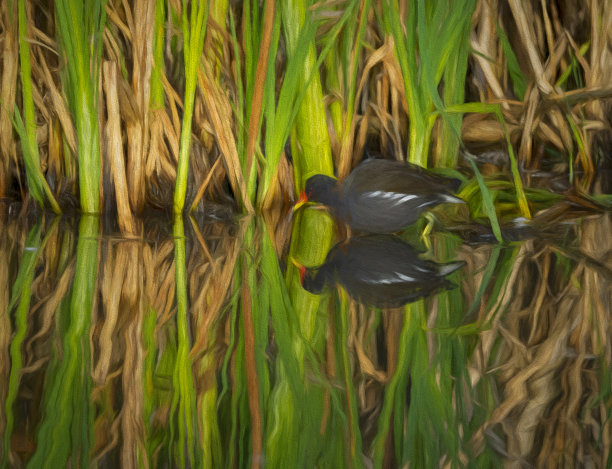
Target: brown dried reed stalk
(542, 36)
(8, 91)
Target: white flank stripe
(396, 197)
(397, 278)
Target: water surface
(185, 347)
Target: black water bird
(378, 270)
(380, 196)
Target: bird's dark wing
(395, 177)
(372, 213)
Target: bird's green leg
(431, 219)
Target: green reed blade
(280, 118)
(162, 439)
(423, 430)
(345, 62)
(429, 431)
(487, 201)
(453, 93)
(157, 73)
(36, 180)
(519, 80)
(425, 38)
(581, 147)
(193, 25)
(452, 354)
(300, 101)
(80, 28)
(239, 409)
(27, 130)
(240, 104)
(573, 69)
(283, 414)
(516, 177)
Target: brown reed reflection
(550, 354)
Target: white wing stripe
(395, 197)
(396, 277)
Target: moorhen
(380, 196)
(378, 270)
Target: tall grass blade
(280, 118)
(426, 36)
(258, 90)
(300, 101)
(193, 25)
(27, 128)
(487, 201)
(80, 27)
(349, 57)
(516, 175)
(449, 139)
(519, 81)
(157, 72)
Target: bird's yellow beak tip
(301, 201)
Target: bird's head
(319, 188)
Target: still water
(195, 345)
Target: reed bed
(140, 343)
(142, 117)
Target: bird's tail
(449, 268)
(451, 199)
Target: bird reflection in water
(378, 270)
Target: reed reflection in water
(182, 348)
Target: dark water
(193, 344)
